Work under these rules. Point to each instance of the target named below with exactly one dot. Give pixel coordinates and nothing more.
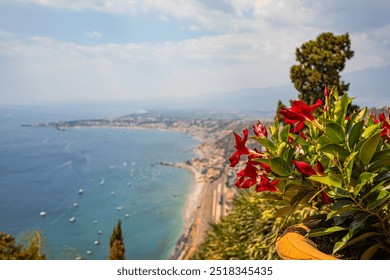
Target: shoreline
(209, 198)
(207, 202)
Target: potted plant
(316, 156)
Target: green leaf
(348, 166)
(262, 160)
(370, 252)
(360, 238)
(284, 211)
(324, 231)
(381, 197)
(364, 178)
(361, 114)
(275, 130)
(335, 133)
(371, 130)
(282, 148)
(340, 111)
(284, 133)
(271, 196)
(343, 211)
(279, 166)
(368, 148)
(341, 244)
(334, 151)
(296, 199)
(359, 221)
(379, 164)
(330, 180)
(355, 134)
(268, 144)
(383, 154)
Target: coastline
(207, 201)
(209, 198)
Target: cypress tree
(117, 247)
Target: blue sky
(96, 50)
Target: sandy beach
(206, 203)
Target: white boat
(119, 208)
(102, 182)
(95, 222)
(89, 252)
(100, 232)
(43, 213)
(81, 191)
(72, 219)
(75, 204)
(127, 216)
(97, 242)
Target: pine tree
(117, 247)
(320, 63)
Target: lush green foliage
(247, 231)
(320, 62)
(9, 250)
(335, 162)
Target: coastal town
(211, 196)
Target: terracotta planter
(292, 245)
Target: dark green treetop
(319, 63)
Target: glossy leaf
(335, 151)
(348, 166)
(269, 145)
(378, 199)
(324, 231)
(364, 178)
(370, 252)
(381, 155)
(355, 134)
(335, 133)
(279, 166)
(341, 109)
(341, 244)
(330, 180)
(368, 148)
(343, 211)
(360, 238)
(371, 130)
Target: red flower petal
(259, 130)
(304, 167)
(240, 147)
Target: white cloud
(253, 46)
(93, 34)
(112, 6)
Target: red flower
(240, 147)
(320, 168)
(325, 199)
(266, 185)
(326, 91)
(304, 168)
(385, 127)
(247, 177)
(260, 130)
(299, 113)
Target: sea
(75, 185)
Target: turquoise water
(43, 169)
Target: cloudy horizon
(95, 50)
